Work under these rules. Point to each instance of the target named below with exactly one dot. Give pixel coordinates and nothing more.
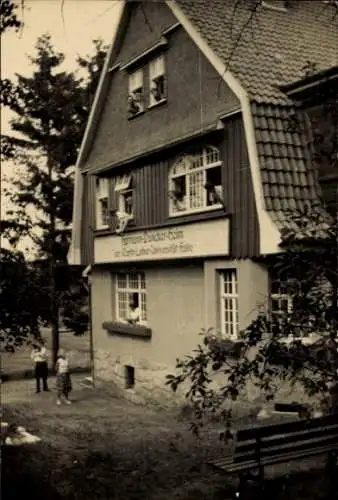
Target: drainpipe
(87, 274)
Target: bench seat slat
(222, 463)
(266, 450)
(229, 466)
(285, 428)
(280, 440)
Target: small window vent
(129, 374)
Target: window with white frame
(131, 298)
(195, 182)
(280, 295)
(136, 92)
(102, 208)
(123, 187)
(229, 303)
(157, 83)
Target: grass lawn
(102, 447)
(76, 347)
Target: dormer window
(195, 183)
(102, 206)
(136, 93)
(157, 81)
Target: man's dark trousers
(41, 372)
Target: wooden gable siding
(151, 204)
(88, 220)
(151, 192)
(150, 195)
(196, 96)
(238, 192)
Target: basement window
(129, 376)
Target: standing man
(40, 358)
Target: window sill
(197, 211)
(102, 232)
(135, 115)
(158, 103)
(124, 329)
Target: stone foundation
(150, 387)
(150, 379)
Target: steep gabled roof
(266, 51)
(271, 48)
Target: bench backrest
(292, 438)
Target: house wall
(174, 307)
(88, 220)
(151, 193)
(252, 286)
(175, 297)
(182, 299)
(195, 96)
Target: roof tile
(264, 56)
(269, 52)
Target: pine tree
(8, 16)
(51, 109)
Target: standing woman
(63, 381)
(39, 356)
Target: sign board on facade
(199, 239)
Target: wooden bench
(258, 447)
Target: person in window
(180, 203)
(179, 200)
(134, 313)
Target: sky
(72, 24)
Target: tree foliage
(18, 297)
(8, 16)
(297, 346)
(51, 108)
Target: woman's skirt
(63, 383)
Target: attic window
(157, 83)
(136, 93)
(280, 5)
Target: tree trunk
(54, 310)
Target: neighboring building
(188, 168)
